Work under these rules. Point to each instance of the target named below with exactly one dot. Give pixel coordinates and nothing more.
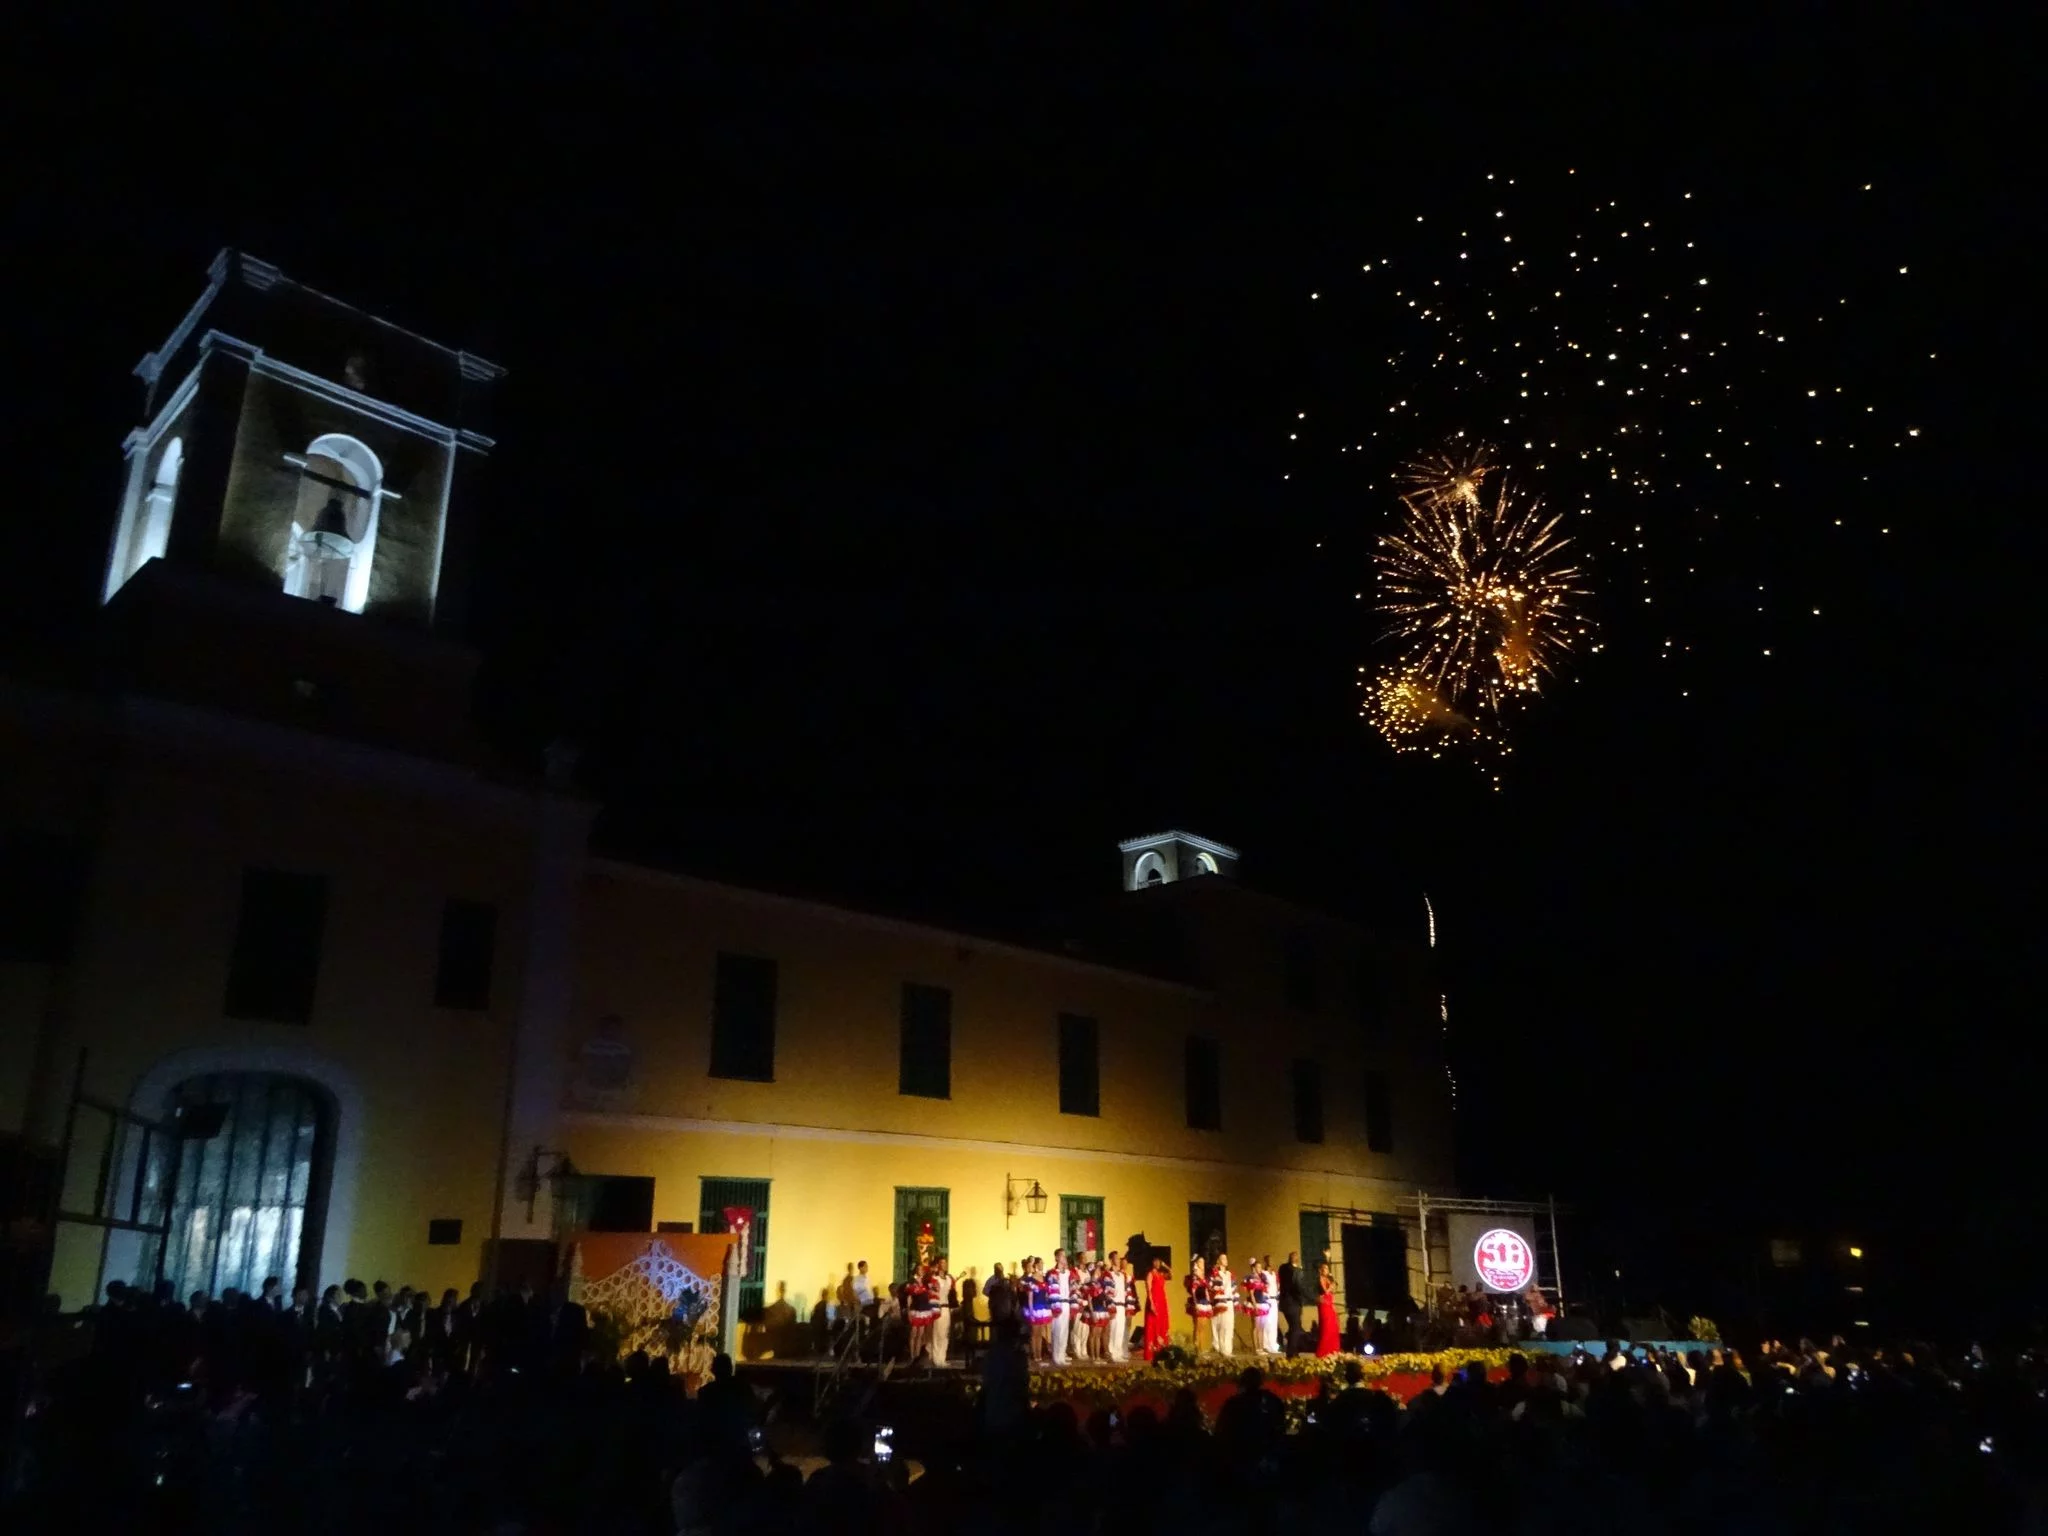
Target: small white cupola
(1169, 856)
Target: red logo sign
(1504, 1260)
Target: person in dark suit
(566, 1331)
(438, 1331)
(1290, 1279)
(963, 1317)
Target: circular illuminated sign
(1504, 1260)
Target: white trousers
(1059, 1334)
(1077, 1338)
(1221, 1333)
(942, 1333)
(1119, 1329)
(1268, 1331)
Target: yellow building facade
(848, 1158)
(297, 977)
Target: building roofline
(1203, 844)
(853, 916)
(263, 276)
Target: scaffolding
(1542, 1216)
(135, 1161)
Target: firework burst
(1683, 423)
(1479, 595)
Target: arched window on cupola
(155, 534)
(334, 522)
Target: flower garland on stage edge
(1115, 1385)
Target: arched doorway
(247, 1201)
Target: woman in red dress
(1158, 1316)
(1329, 1338)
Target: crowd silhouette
(369, 1409)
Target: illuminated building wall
(255, 842)
(232, 838)
(170, 809)
(835, 1137)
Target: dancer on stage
(1037, 1309)
(1258, 1302)
(1058, 1294)
(1158, 1319)
(1328, 1337)
(1099, 1312)
(919, 1303)
(1200, 1307)
(1077, 1311)
(942, 1302)
(1223, 1307)
(1122, 1303)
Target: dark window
(1080, 1066)
(277, 946)
(444, 1232)
(469, 945)
(1208, 1232)
(42, 891)
(743, 1019)
(1308, 1101)
(1301, 972)
(1205, 1084)
(1379, 1113)
(618, 1203)
(925, 1057)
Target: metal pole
(1422, 1222)
(1556, 1262)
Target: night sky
(889, 499)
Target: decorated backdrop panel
(1497, 1252)
(663, 1292)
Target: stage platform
(1597, 1348)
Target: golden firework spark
(1450, 476)
(1406, 709)
(1479, 596)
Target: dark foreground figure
(110, 1441)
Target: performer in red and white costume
(1119, 1282)
(1200, 1308)
(942, 1303)
(1037, 1307)
(1058, 1292)
(1077, 1311)
(917, 1301)
(1100, 1310)
(1223, 1307)
(1258, 1297)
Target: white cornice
(339, 394)
(1161, 839)
(146, 438)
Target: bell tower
(293, 540)
(296, 443)
(1169, 856)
